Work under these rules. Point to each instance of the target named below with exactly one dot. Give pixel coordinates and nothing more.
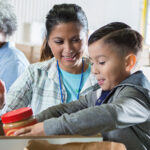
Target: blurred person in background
(12, 61)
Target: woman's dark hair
(103, 31)
(63, 13)
(45, 51)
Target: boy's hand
(2, 94)
(35, 130)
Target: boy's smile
(108, 66)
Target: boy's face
(108, 67)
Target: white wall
(99, 12)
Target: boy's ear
(130, 62)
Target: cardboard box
(40, 145)
(35, 55)
(19, 143)
(31, 52)
(61, 142)
(58, 143)
(26, 49)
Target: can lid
(17, 115)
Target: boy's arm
(55, 111)
(20, 92)
(58, 110)
(125, 111)
(84, 102)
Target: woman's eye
(59, 42)
(102, 63)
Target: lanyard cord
(81, 80)
(60, 81)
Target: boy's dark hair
(125, 41)
(62, 13)
(103, 31)
(121, 36)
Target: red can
(16, 119)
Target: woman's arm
(20, 93)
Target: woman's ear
(130, 62)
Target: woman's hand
(35, 130)
(2, 94)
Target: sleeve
(20, 93)
(126, 110)
(11, 72)
(58, 110)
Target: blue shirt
(12, 64)
(102, 97)
(72, 83)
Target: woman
(66, 76)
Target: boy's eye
(102, 63)
(76, 40)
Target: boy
(120, 108)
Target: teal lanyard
(60, 81)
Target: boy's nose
(94, 69)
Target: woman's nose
(68, 47)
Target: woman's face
(68, 42)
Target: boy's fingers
(22, 131)
(26, 134)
